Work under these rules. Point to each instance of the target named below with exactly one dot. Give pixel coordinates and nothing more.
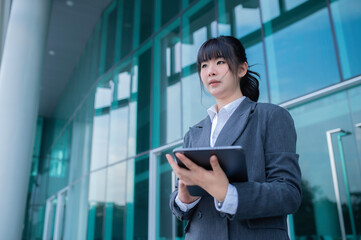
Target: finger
(215, 164)
(186, 161)
(172, 163)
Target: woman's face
(218, 79)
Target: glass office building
(99, 169)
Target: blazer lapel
(235, 124)
(201, 133)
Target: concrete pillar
(20, 80)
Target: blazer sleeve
(281, 193)
(173, 206)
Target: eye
(221, 62)
(203, 65)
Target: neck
(223, 102)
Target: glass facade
(99, 169)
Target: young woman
(256, 209)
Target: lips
(213, 82)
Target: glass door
(329, 143)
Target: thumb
(214, 163)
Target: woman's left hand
(214, 181)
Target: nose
(211, 70)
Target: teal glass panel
(119, 115)
(318, 216)
(347, 21)
(79, 164)
(299, 48)
(146, 19)
(143, 73)
(111, 20)
(127, 27)
(199, 24)
(187, 3)
(140, 188)
(242, 19)
(100, 134)
(76, 211)
(116, 202)
(167, 86)
(170, 9)
(290, 4)
(96, 205)
(167, 225)
(129, 213)
(34, 223)
(37, 147)
(59, 161)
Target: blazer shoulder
(269, 109)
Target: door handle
(329, 134)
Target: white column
(20, 80)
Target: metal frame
(152, 196)
(335, 179)
(60, 195)
(323, 92)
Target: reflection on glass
(167, 88)
(196, 101)
(76, 211)
(103, 95)
(270, 9)
(289, 4)
(116, 202)
(300, 52)
(118, 140)
(59, 162)
(196, 29)
(96, 205)
(100, 135)
(318, 215)
(242, 19)
(99, 141)
(346, 16)
(122, 84)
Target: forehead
(213, 50)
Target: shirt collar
(229, 108)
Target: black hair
(232, 50)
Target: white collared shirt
(218, 120)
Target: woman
(256, 209)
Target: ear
(242, 69)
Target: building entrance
(329, 144)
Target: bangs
(213, 49)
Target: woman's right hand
(183, 193)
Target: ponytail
(250, 86)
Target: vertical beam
(20, 81)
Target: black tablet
(231, 160)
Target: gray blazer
(268, 136)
